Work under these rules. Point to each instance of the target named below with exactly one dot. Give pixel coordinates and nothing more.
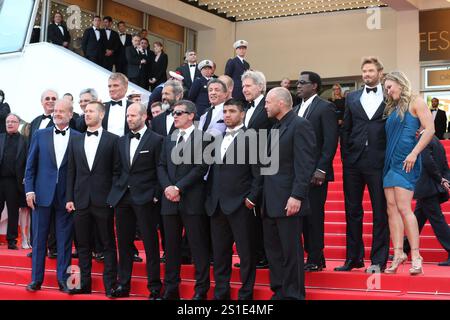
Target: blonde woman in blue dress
(406, 113)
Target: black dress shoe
(444, 263)
(99, 257)
(63, 287)
(199, 296)
(13, 246)
(52, 254)
(262, 264)
(34, 286)
(120, 292)
(30, 254)
(237, 265)
(171, 296)
(375, 268)
(80, 291)
(349, 265)
(154, 295)
(312, 267)
(136, 258)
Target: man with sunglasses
(180, 175)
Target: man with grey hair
(189, 69)
(285, 196)
(48, 99)
(86, 95)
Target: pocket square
(144, 151)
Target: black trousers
(225, 230)
(259, 236)
(284, 250)
(10, 193)
(86, 221)
(127, 216)
(355, 180)
(314, 224)
(197, 232)
(430, 209)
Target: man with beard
(172, 93)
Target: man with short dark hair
(93, 42)
(236, 67)
(112, 44)
(125, 41)
(189, 70)
(212, 120)
(440, 119)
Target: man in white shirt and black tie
(57, 32)
(125, 41)
(112, 44)
(93, 42)
(115, 109)
(189, 70)
(92, 157)
(440, 119)
(48, 100)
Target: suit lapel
(255, 114)
(2, 146)
(359, 105)
(51, 146)
(127, 150)
(105, 119)
(379, 111)
(98, 154)
(311, 108)
(83, 151)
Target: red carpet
(434, 284)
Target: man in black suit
(198, 93)
(432, 189)
(4, 111)
(93, 42)
(189, 70)
(134, 192)
(115, 110)
(236, 67)
(285, 195)
(181, 175)
(321, 114)
(234, 187)
(172, 93)
(125, 41)
(440, 119)
(57, 32)
(112, 44)
(135, 61)
(148, 56)
(92, 157)
(363, 150)
(48, 99)
(13, 157)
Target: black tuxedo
(113, 43)
(159, 124)
(296, 145)
(259, 119)
(121, 59)
(133, 64)
(94, 49)
(144, 71)
(188, 212)
(364, 146)
(159, 70)
(186, 73)
(55, 36)
(229, 184)
(88, 189)
(13, 157)
(321, 114)
(235, 69)
(134, 187)
(106, 118)
(440, 124)
(198, 94)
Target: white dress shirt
(108, 33)
(250, 111)
(44, 123)
(116, 118)
(242, 59)
(97, 33)
(187, 133)
(91, 145)
(305, 105)
(434, 113)
(123, 38)
(192, 70)
(134, 143)
(169, 122)
(228, 140)
(60, 143)
(60, 28)
(371, 101)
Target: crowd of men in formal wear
(114, 170)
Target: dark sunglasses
(50, 98)
(302, 82)
(179, 112)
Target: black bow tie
(46, 117)
(251, 104)
(136, 135)
(122, 34)
(113, 103)
(108, 29)
(192, 65)
(95, 133)
(375, 89)
(63, 132)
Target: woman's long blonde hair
(406, 96)
(333, 96)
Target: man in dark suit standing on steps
(236, 67)
(125, 41)
(57, 32)
(181, 176)
(93, 42)
(285, 195)
(112, 44)
(198, 93)
(322, 115)
(45, 187)
(440, 119)
(135, 61)
(189, 70)
(363, 151)
(134, 192)
(234, 187)
(13, 157)
(92, 157)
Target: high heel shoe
(397, 261)
(416, 267)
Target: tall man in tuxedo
(189, 70)
(181, 178)
(125, 41)
(236, 67)
(440, 119)
(364, 148)
(45, 187)
(134, 192)
(135, 60)
(198, 93)
(171, 93)
(234, 187)
(13, 157)
(148, 56)
(285, 195)
(57, 32)
(112, 44)
(212, 121)
(321, 114)
(93, 42)
(92, 157)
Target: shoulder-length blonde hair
(333, 95)
(406, 96)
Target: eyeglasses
(12, 121)
(50, 98)
(179, 112)
(302, 82)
